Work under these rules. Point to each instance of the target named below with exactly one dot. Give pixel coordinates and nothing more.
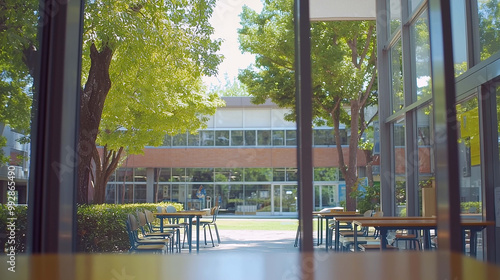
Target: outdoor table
(418, 224)
(189, 215)
(338, 220)
(327, 216)
(409, 265)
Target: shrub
(21, 223)
(100, 228)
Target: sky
(226, 22)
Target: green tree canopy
(343, 71)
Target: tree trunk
(105, 165)
(91, 105)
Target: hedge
(101, 228)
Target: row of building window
(254, 137)
(123, 175)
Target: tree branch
(367, 45)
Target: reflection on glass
(228, 174)
(234, 197)
(263, 137)
(124, 174)
(414, 4)
(207, 138)
(179, 139)
(257, 198)
(222, 138)
(329, 196)
(469, 156)
(237, 138)
(426, 184)
(162, 174)
(421, 46)
(289, 198)
(317, 200)
(110, 193)
(178, 175)
(140, 175)
(291, 174)
(139, 193)
(258, 174)
(200, 174)
(399, 166)
(459, 30)
(291, 137)
(278, 137)
(279, 174)
(125, 193)
(326, 174)
(397, 77)
(399, 135)
(249, 137)
(395, 15)
(167, 141)
(193, 139)
(489, 33)
(323, 137)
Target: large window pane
(421, 45)
(207, 138)
(228, 174)
(163, 174)
(234, 197)
(399, 166)
(140, 175)
(124, 175)
(193, 139)
(200, 174)
(279, 174)
(326, 174)
(397, 77)
(459, 30)
(178, 175)
(264, 137)
(237, 138)
(427, 191)
(258, 174)
(250, 138)
(179, 140)
(278, 137)
(257, 199)
(222, 138)
(140, 193)
(489, 33)
(323, 137)
(125, 193)
(394, 15)
(469, 156)
(110, 193)
(291, 138)
(291, 174)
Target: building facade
(245, 160)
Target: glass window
(112, 177)
(162, 192)
(232, 197)
(257, 199)
(426, 185)
(397, 77)
(326, 174)
(179, 140)
(179, 194)
(140, 193)
(194, 139)
(167, 141)
(125, 193)
(279, 174)
(469, 147)
(399, 135)
(237, 138)
(222, 138)
(207, 138)
(178, 175)
(345, 135)
(258, 174)
(421, 47)
(291, 174)
(291, 137)
(110, 193)
(163, 174)
(249, 137)
(140, 175)
(228, 174)
(489, 33)
(317, 200)
(459, 30)
(278, 137)
(395, 15)
(263, 137)
(200, 174)
(414, 4)
(323, 137)
(329, 196)
(124, 174)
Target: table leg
(318, 242)
(190, 233)
(161, 224)
(383, 238)
(337, 235)
(197, 234)
(355, 237)
(473, 243)
(327, 234)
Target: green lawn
(259, 224)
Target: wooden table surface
(369, 265)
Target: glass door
(284, 200)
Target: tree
(142, 69)
(17, 65)
(231, 88)
(344, 72)
(142, 65)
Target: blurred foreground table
(369, 265)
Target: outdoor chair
(143, 245)
(175, 221)
(214, 211)
(148, 233)
(174, 228)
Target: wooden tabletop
(369, 265)
(350, 219)
(181, 214)
(337, 213)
